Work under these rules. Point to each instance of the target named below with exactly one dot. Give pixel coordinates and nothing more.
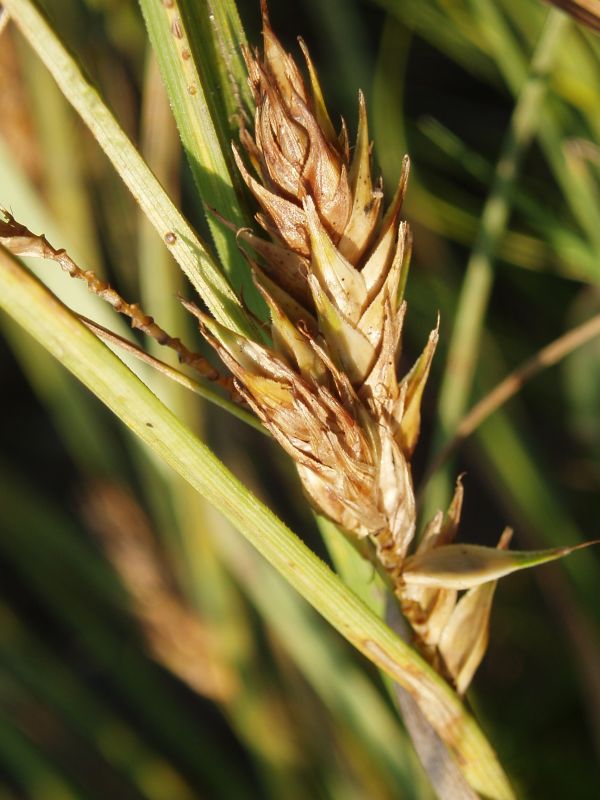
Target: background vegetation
(145, 650)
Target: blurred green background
(145, 650)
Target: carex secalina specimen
(332, 274)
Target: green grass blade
(512, 65)
(31, 305)
(205, 134)
(320, 658)
(54, 683)
(216, 31)
(189, 251)
(477, 285)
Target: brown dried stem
(513, 383)
(22, 242)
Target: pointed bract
(463, 566)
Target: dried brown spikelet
(333, 279)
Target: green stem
(189, 251)
(183, 51)
(477, 285)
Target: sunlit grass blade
(354, 701)
(354, 568)
(216, 31)
(191, 254)
(199, 114)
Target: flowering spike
(333, 279)
(327, 389)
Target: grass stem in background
(546, 357)
(477, 284)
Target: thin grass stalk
(189, 251)
(513, 66)
(477, 285)
(557, 249)
(513, 383)
(204, 133)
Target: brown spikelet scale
(333, 277)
